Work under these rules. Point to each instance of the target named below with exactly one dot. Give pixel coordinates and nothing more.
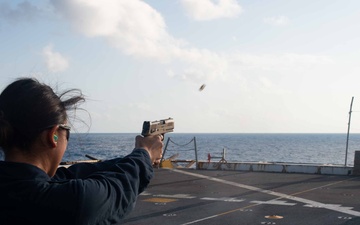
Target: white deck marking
(199, 220)
(337, 208)
(181, 196)
(273, 202)
(224, 199)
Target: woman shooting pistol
(34, 133)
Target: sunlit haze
(268, 66)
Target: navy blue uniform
(84, 193)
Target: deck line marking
(224, 199)
(273, 202)
(181, 196)
(199, 220)
(326, 185)
(333, 207)
(220, 214)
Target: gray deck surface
(186, 196)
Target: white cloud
(277, 20)
(265, 82)
(132, 26)
(55, 62)
(138, 30)
(212, 9)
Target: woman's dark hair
(28, 107)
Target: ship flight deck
(188, 196)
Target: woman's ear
(52, 136)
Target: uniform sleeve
(82, 170)
(105, 191)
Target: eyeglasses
(67, 128)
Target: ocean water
(294, 148)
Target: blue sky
(269, 66)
